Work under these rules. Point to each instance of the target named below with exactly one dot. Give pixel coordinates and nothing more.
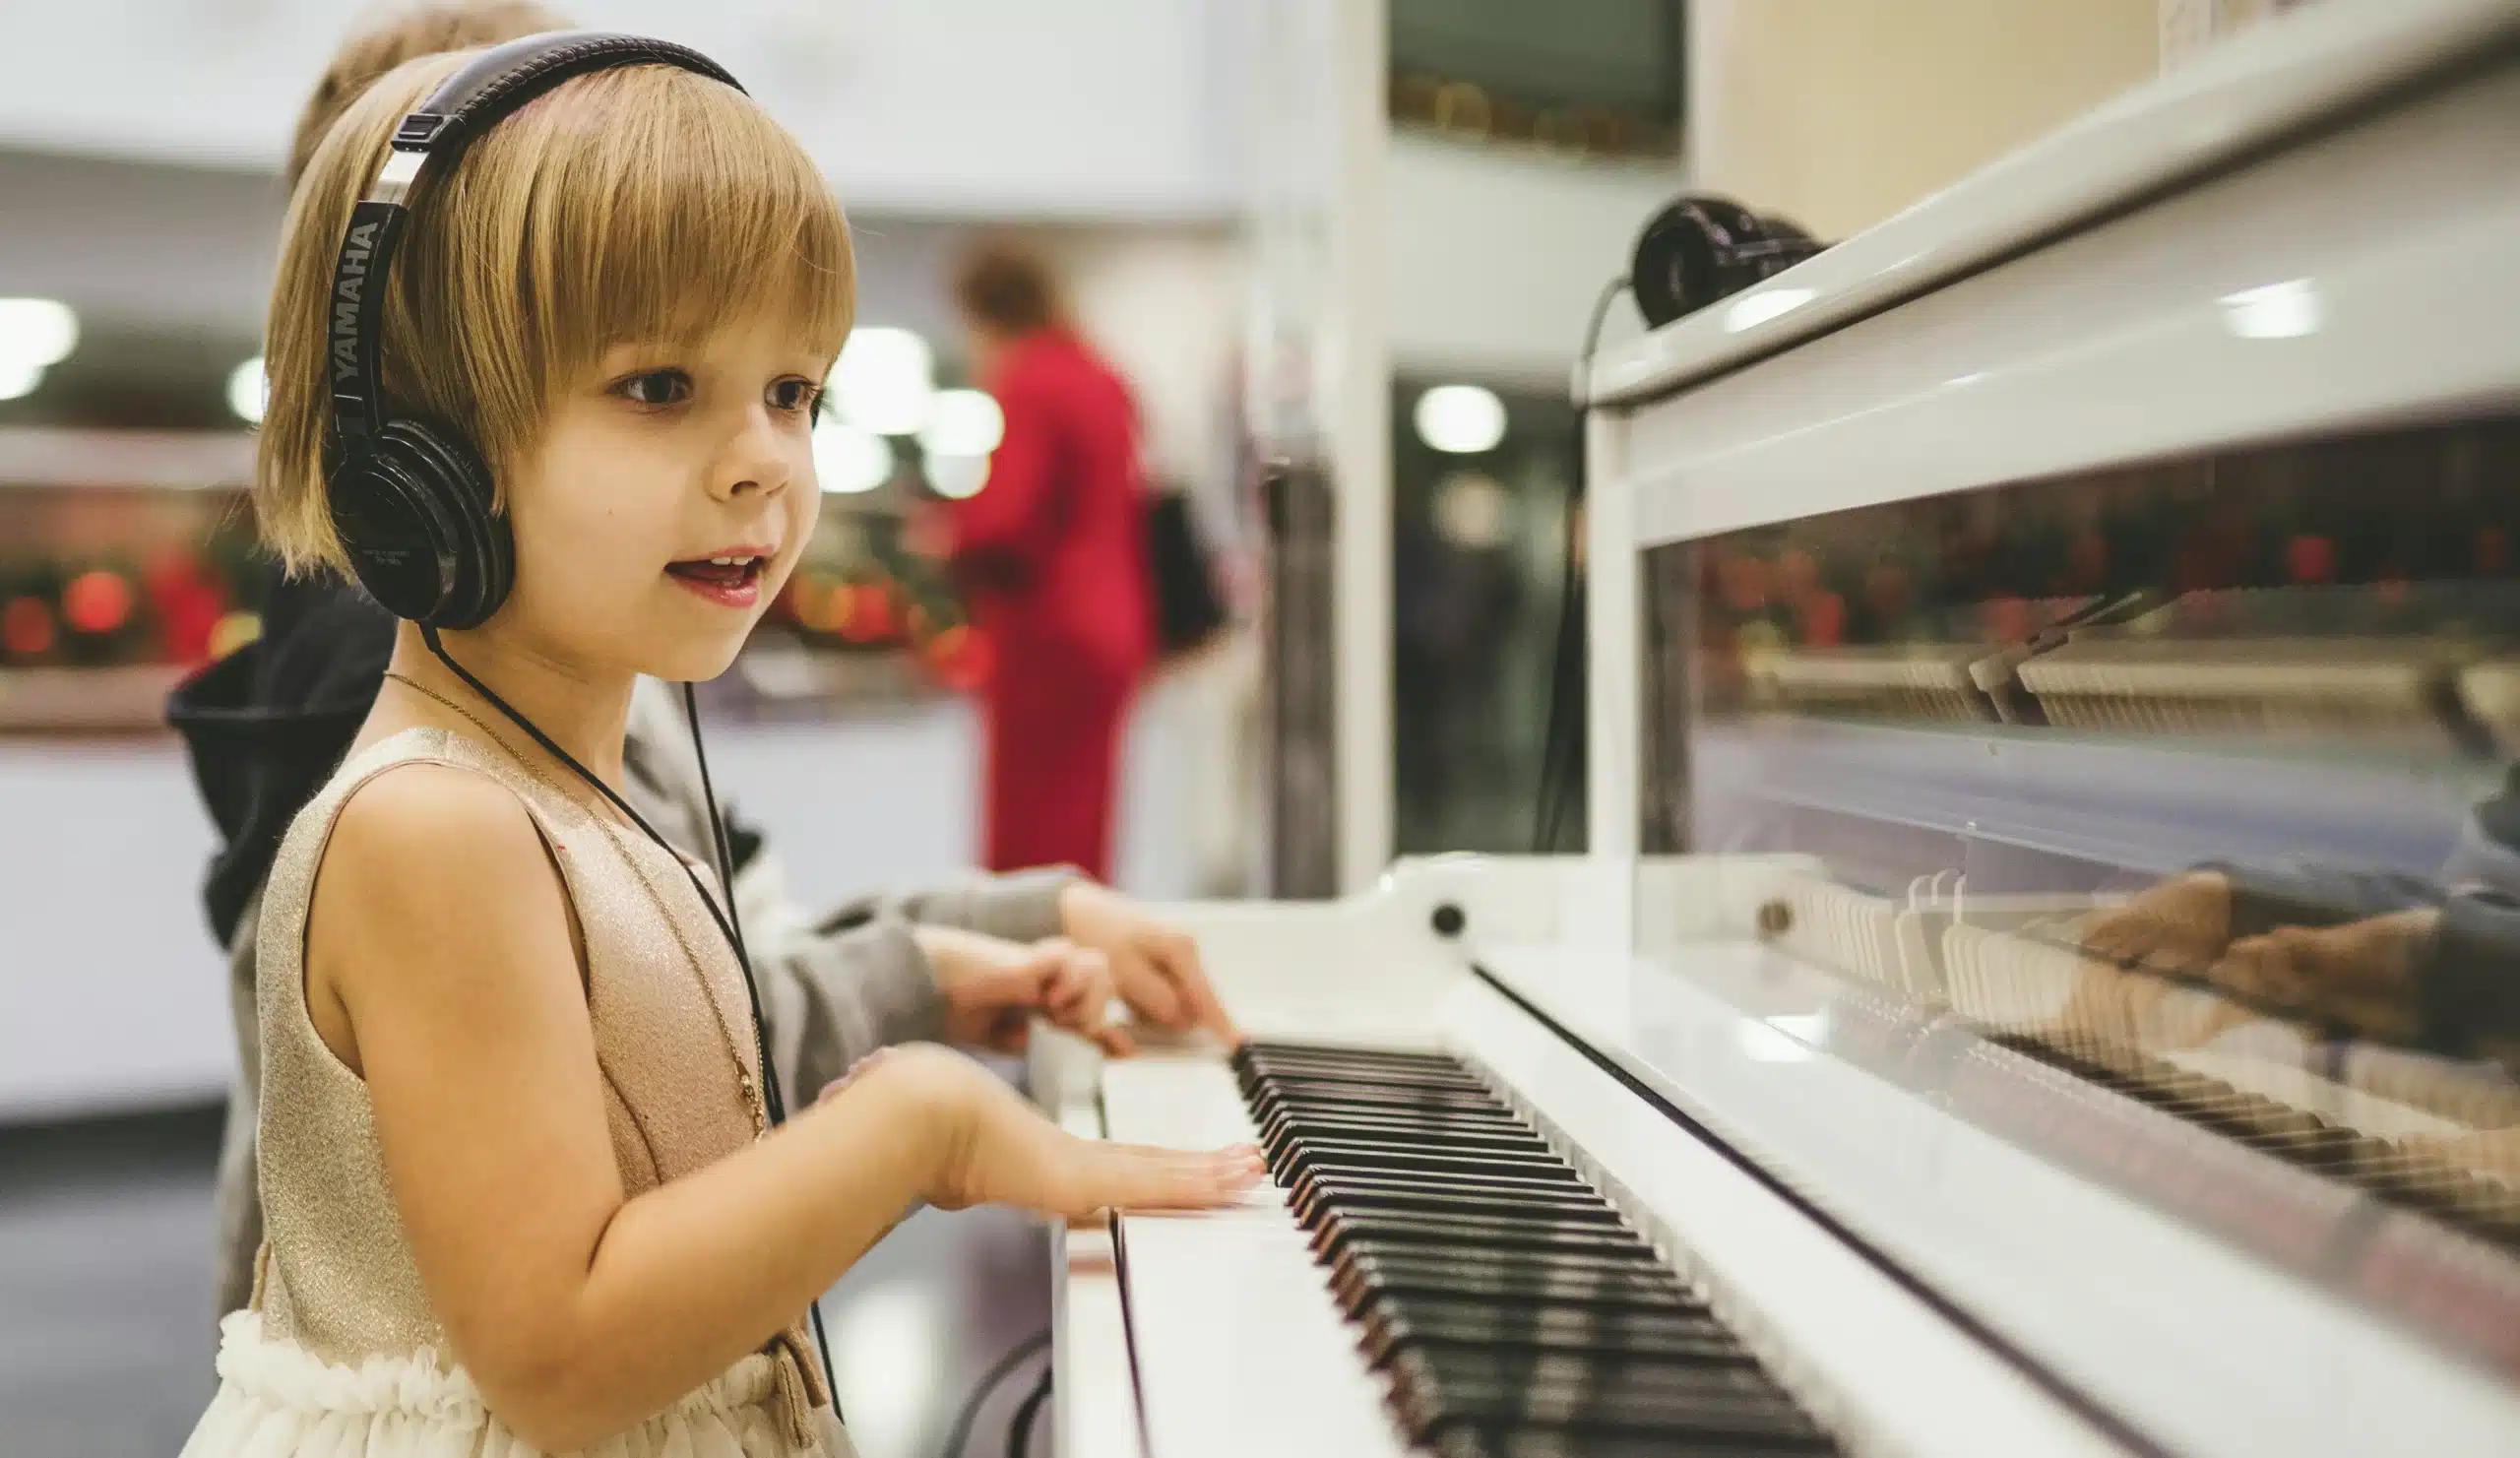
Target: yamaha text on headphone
(412, 497)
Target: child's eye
(796, 395)
(655, 387)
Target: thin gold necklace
(754, 1103)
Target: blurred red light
(98, 601)
(26, 628)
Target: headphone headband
(490, 88)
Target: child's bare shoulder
(424, 850)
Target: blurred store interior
(1353, 241)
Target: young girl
(520, 1191)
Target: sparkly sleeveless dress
(339, 1354)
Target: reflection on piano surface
(2187, 783)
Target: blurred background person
(1052, 552)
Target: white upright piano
(2044, 977)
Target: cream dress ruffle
(278, 1400)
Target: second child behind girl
(520, 1195)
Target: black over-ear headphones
(1702, 248)
(412, 497)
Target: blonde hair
(639, 204)
(425, 31)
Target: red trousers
(1051, 765)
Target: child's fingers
(1139, 1177)
(1078, 996)
(1147, 985)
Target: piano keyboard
(1512, 1310)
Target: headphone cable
(1560, 744)
(959, 1436)
(1019, 1434)
(773, 1103)
(760, 1026)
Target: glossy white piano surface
(1855, 1118)
(1230, 1320)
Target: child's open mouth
(733, 580)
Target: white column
(1358, 389)
(1614, 673)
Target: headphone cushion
(413, 507)
(486, 551)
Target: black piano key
(1553, 1440)
(1366, 1141)
(1468, 1100)
(1435, 1166)
(1513, 1308)
(1342, 1079)
(1259, 1051)
(1302, 1173)
(1429, 1400)
(1602, 1283)
(1371, 1195)
(1441, 1387)
(1378, 1230)
(1322, 1075)
(1519, 1196)
(1390, 1124)
(1393, 1323)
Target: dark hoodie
(267, 724)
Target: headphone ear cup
(482, 560)
(413, 509)
(1692, 254)
(399, 545)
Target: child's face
(661, 460)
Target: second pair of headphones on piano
(1702, 248)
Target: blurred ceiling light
(1751, 310)
(962, 422)
(955, 478)
(36, 332)
(2276, 311)
(248, 390)
(849, 460)
(885, 381)
(19, 379)
(1460, 419)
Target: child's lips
(732, 583)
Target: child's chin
(694, 662)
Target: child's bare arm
(441, 967)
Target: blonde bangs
(666, 206)
(645, 204)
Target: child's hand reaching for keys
(1000, 1150)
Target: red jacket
(1052, 550)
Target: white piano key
(1096, 1409)
(1240, 1350)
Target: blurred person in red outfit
(1051, 552)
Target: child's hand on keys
(1000, 1151)
(994, 988)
